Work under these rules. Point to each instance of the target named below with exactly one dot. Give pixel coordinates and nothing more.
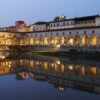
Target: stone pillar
(81, 41)
(54, 39)
(48, 39)
(89, 41)
(97, 40)
(73, 37)
(66, 40)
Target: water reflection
(60, 72)
(3, 54)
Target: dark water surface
(35, 77)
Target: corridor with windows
(67, 40)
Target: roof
(78, 18)
(40, 23)
(86, 17)
(69, 19)
(20, 21)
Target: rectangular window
(64, 24)
(67, 23)
(72, 23)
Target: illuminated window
(41, 40)
(83, 70)
(31, 41)
(93, 71)
(93, 40)
(84, 40)
(77, 39)
(70, 68)
(62, 68)
(36, 40)
(57, 40)
(45, 65)
(70, 40)
(51, 40)
(45, 40)
(63, 39)
(56, 67)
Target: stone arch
(63, 39)
(51, 40)
(57, 40)
(93, 40)
(36, 40)
(41, 40)
(70, 40)
(84, 40)
(77, 39)
(45, 40)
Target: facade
(81, 33)
(21, 26)
(68, 33)
(10, 38)
(39, 26)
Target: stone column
(73, 37)
(97, 40)
(89, 41)
(81, 41)
(48, 39)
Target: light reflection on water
(33, 76)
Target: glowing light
(2, 57)
(58, 62)
(70, 67)
(58, 46)
(71, 41)
(61, 88)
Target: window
(93, 31)
(64, 23)
(67, 23)
(63, 33)
(51, 33)
(36, 35)
(85, 32)
(72, 23)
(54, 24)
(57, 24)
(46, 34)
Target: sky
(32, 11)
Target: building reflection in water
(62, 73)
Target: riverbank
(71, 54)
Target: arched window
(92, 39)
(84, 40)
(77, 39)
(70, 40)
(41, 40)
(63, 39)
(57, 40)
(46, 40)
(51, 40)
(36, 40)
(31, 41)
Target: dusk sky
(31, 11)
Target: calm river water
(37, 77)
